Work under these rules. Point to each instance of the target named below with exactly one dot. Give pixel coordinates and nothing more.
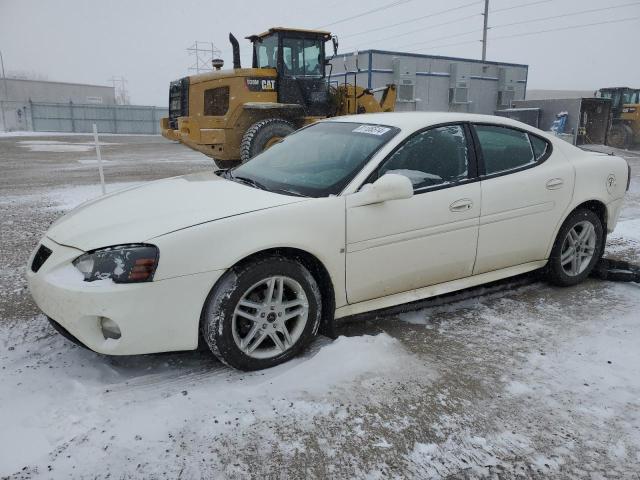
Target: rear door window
(504, 148)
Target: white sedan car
(345, 216)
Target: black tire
(619, 135)
(217, 320)
(555, 272)
(258, 136)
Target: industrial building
(20, 90)
(18, 96)
(43, 106)
(435, 83)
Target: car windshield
(317, 161)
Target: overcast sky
(146, 41)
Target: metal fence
(71, 117)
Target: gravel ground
(525, 382)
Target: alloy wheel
(270, 317)
(578, 248)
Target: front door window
(435, 157)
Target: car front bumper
(158, 316)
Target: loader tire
(619, 136)
(261, 135)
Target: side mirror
(334, 40)
(390, 186)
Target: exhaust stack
(236, 50)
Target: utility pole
(6, 93)
(484, 30)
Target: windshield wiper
(288, 192)
(228, 174)
(247, 181)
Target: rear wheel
(262, 135)
(262, 314)
(620, 135)
(578, 247)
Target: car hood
(140, 213)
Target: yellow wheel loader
(624, 130)
(232, 115)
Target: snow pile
(344, 360)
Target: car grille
(40, 257)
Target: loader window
(216, 101)
(630, 97)
(302, 57)
(268, 52)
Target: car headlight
(121, 263)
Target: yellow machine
(626, 131)
(625, 109)
(232, 115)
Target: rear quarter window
(540, 147)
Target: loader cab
(298, 56)
(620, 96)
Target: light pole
(6, 95)
(484, 30)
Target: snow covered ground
(535, 382)
(60, 146)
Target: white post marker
(95, 137)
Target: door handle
(461, 205)
(554, 183)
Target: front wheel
(262, 314)
(578, 247)
(620, 135)
(262, 135)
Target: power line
(461, 34)
(519, 6)
(423, 28)
(368, 12)
(564, 15)
(568, 27)
(404, 22)
(392, 37)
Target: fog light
(109, 328)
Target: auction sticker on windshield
(372, 129)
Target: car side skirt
(435, 290)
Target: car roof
(417, 120)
